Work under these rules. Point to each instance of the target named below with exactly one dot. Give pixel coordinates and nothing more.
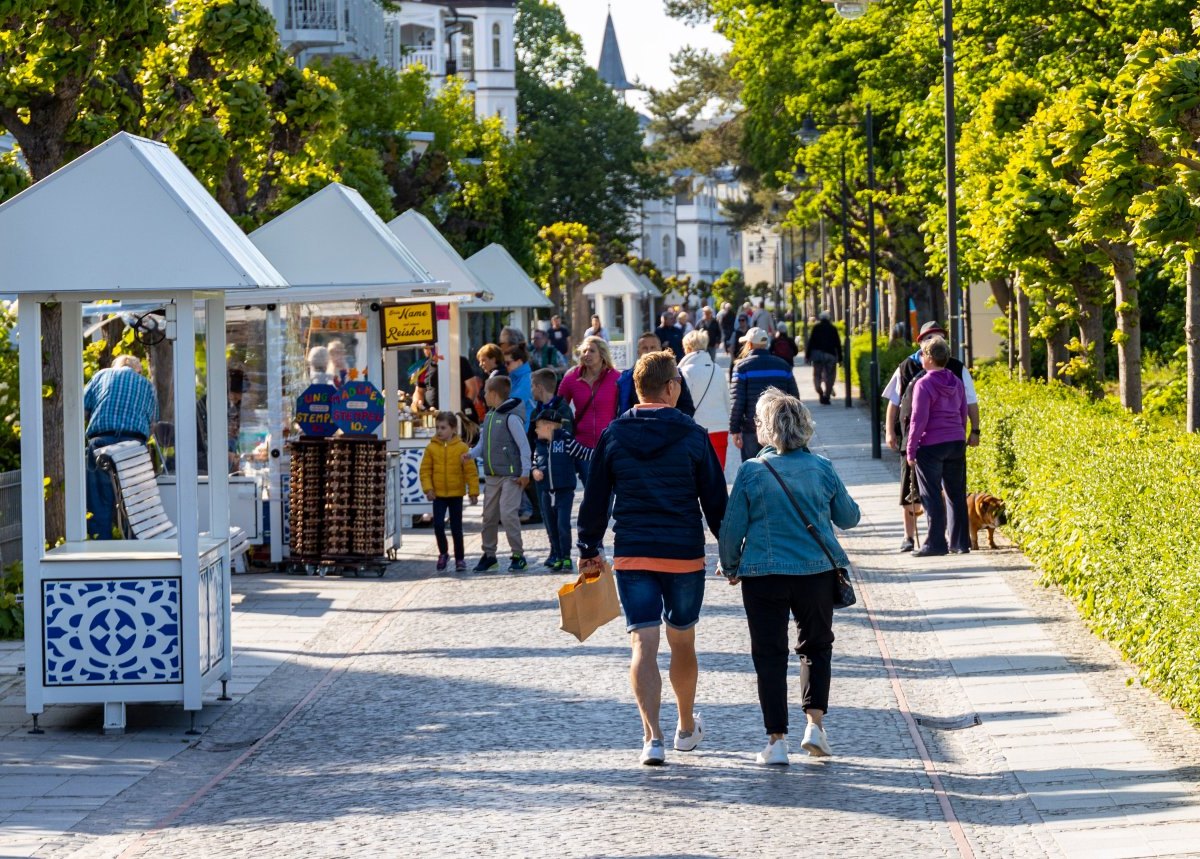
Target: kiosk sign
(358, 408)
(408, 324)
(314, 410)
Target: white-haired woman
(782, 568)
(709, 391)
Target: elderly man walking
(119, 405)
(664, 473)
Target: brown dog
(986, 511)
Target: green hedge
(860, 361)
(1105, 506)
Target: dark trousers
(771, 602)
(583, 468)
(824, 375)
(556, 514)
(101, 495)
(750, 445)
(453, 506)
(944, 466)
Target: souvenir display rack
(338, 508)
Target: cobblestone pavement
(442, 715)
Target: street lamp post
(876, 449)
(847, 316)
(851, 9)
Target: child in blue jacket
(554, 470)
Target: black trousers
(771, 602)
(453, 506)
(944, 466)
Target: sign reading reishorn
(408, 324)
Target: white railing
(427, 57)
(312, 15)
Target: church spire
(611, 69)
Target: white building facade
(474, 40)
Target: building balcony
(431, 59)
(305, 24)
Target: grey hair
(695, 341)
(130, 361)
(783, 421)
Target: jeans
(771, 602)
(750, 445)
(101, 496)
(453, 506)
(556, 514)
(944, 466)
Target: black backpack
(907, 386)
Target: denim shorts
(650, 598)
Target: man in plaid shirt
(119, 405)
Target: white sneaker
(654, 754)
(815, 742)
(775, 754)
(689, 743)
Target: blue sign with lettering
(314, 410)
(358, 408)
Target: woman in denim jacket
(782, 569)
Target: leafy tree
(588, 163)
(567, 259)
(730, 287)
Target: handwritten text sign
(358, 408)
(314, 410)
(408, 324)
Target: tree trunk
(577, 302)
(1129, 329)
(1191, 333)
(899, 303)
(1025, 344)
(1002, 292)
(1091, 334)
(1056, 352)
(53, 437)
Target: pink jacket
(939, 411)
(600, 413)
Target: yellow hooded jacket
(444, 473)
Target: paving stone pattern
(443, 715)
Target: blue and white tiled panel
(111, 632)
(212, 615)
(410, 476)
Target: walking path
(440, 715)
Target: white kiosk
(442, 261)
(512, 289)
(620, 282)
(117, 621)
(342, 261)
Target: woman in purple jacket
(937, 448)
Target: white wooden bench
(140, 505)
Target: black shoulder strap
(809, 525)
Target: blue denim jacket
(763, 535)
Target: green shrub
(1100, 501)
(12, 615)
(860, 361)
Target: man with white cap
(751, 376)
(900, 382)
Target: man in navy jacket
(663, 471)
(751, 376)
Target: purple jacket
(939, 412)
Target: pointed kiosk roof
(618, 280)
(332, 246)
(434, 253)
(611, 68)
(509, 284)
(126, 217)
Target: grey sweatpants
(502, 506)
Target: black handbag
(843, 588)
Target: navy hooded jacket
(664, 472)
(751, 376)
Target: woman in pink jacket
(591, 387)
(937, 449)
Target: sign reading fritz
(408, 324)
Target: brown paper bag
(588, 603)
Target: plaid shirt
(119, 401)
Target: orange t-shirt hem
(658, 565)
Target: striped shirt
(120, 400)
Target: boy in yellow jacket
(445, 478)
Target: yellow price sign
(408, 324)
